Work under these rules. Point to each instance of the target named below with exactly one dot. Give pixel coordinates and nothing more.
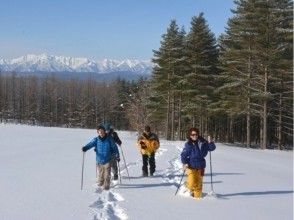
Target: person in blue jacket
(193, 159)
(105, 148)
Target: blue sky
(97, 29)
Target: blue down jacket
(104, 147)
(194, 152)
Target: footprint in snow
(106, 206)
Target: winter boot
(198, 194)
(191, 193)
(106, 188)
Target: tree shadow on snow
(134, 186)
(218, 181)
(255, 193)
(223, 174)
(141, 177)
(171, 176)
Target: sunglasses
(193, 134)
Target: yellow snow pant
(195, 181)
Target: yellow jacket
(150, 141)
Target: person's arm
(207, 146)
(185, 154)
(142, 144)
(210, 144)
(91, 144)
(154, 137)
(157, 139)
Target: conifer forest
(237, 87)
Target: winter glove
(84, 149)
(143, 145)
(95, 150)
(117, 159)
(209, 139)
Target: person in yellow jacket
(148, 143)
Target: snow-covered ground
(40, 177)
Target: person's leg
(107, 176)
(191, 180)
(145, 165)
(100, 175)
(114, 168)
(198, 183)
(152, 163)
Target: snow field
(40, 171)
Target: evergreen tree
(238, 64)
(275, 40)
(165, 78)
(252, 60)
(202, 55)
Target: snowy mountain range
(53, 64)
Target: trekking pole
(180, 181)
(211, 184)
(125, 163)
(82, 180)
(119, 172)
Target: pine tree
(202, 55)
(165, 77)
(252, 61)
(274, 42)
(237, 59)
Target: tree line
(52, 101)
(237, 87)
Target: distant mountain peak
(50, 63)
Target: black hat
(101, 127)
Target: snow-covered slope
(40, 172)
(48, 63)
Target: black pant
(151, 160)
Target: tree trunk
(167, 117)
(279, 126)
(248, 134)
(264, 114)
(264, 119)
(248, 114)
(206, 126)
(231, 130)
(173, 117)
(261, 133)
(180, 118)
(200, 122)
